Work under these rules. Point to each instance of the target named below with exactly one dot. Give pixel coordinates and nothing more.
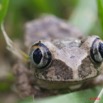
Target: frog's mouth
(60, 84)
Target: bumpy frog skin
(57, 63)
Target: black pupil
(37, 56)
(101, 49)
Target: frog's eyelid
(12, 48)
(46, 55)
(101, 49)
(95, 51)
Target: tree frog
(60, 58)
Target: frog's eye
(40, 55)
(97, 50)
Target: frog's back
(47, 28)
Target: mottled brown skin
(71, 64)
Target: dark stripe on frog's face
(57, 71)
(87, 69)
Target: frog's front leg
(22, 78)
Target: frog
(61, 59)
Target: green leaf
(5, 83)
(27, 100)
(99, 98)
(100, 11)
(84, 96)
(42, 4)
(3, 9)
(85, 15)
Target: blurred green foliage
(84, 96)
(82, 13)
(3, 9)
(24, 10)
(87, 15)
(100, 12)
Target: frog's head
(67, 60)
